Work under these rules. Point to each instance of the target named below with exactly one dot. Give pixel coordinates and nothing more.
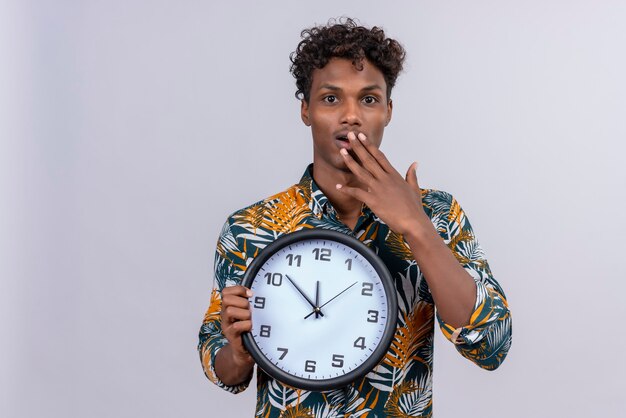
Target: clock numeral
(337, 360)
(360, 343)
(367, 289)
(373, 316)
(349, 263)
(291, 258)
(259, 302)
(265, 331)
(284, 352)
(322, 254)
(309, 366)
(275, 279)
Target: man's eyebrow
(329, 87)
(372, 87)
(332, 87)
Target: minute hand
(331, 299)
(314, 306)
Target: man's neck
(348, 208)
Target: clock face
(323, 309)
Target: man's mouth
(343, 140)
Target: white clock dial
(319, 309)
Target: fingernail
(351, 136)
(362, 136)
(249, 293)
(338, 186)
(343, 151)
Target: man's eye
(330, 99)
(370, 99)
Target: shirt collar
(318, 202)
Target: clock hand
(331, 299)
(316, 310)
(317, 298)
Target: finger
(355, 192)
(235, 301)
(367, 160)
(237, 290)
(380, 157)
(411, 177)
(233, 314)
(361, 173)
(234, 331)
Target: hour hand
(316, 309)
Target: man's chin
(354, 157)
(337, 163)
(344, 167)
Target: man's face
(344, 99)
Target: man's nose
(351, 113)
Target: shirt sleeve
(487, 338)
(230, 265)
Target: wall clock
(324, 309)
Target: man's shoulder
(291, 194)
(437, 201)
(281, 203)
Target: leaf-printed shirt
(401, 384)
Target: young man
(345, 74)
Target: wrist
(421, 233)
(237, 356)
(232, 367)
(242, 360)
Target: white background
(131, 129)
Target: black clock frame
(390, 293)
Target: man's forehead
(341, 71)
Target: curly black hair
(344, 38)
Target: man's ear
(304, 112)
(389, 111)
